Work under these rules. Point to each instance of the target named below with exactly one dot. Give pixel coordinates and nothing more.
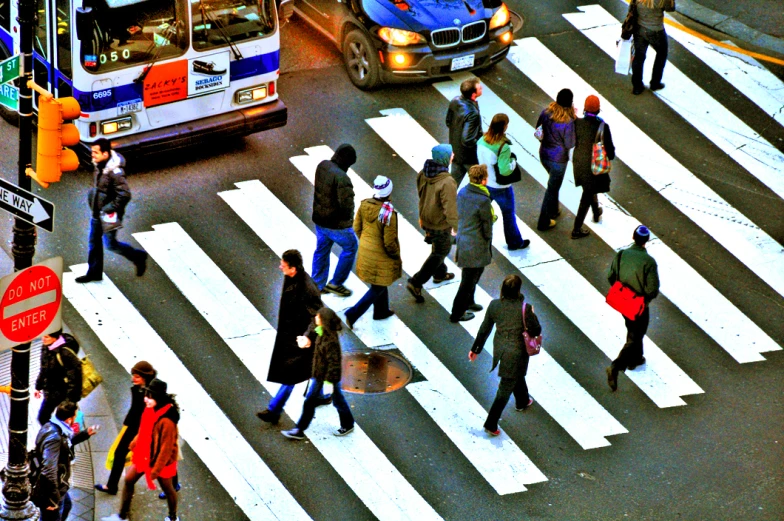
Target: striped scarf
(385, 215)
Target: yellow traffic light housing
(54, 134)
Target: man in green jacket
(635, 268)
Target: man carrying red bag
(635, 269)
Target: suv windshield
(134, 32)
(219, 23)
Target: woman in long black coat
(509, 352)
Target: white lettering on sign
(31, 303)
(27, 320)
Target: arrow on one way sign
(26, 205)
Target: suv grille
(445, 37)
(474, 31)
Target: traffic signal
(54, 134)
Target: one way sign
(26, 205)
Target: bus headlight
(252, 94)
(500, 18)
(116, 125)
(399, 37)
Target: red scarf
(141, 453)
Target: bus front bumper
(240, 122)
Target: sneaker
(496, 432)
(416, 292)
(466, 317)
(475, 307)
(343, 431)
(268, 416)
(641, 362)
(162, 495)
(294, 434)
(448, 276)
(612, 379)
(657, 86)
(598, 215)
(105, 489)
(341, 291)
(324, 401)
(141, 264)
(582, 232)
(85, 278)
(526, 406)
(522, 246)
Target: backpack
(91, 378)
(532, 333)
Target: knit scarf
(487, 193)
(144, 441)
(433, 168)
(385, 215)
(57, 343)
(320, 330)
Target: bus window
(64, 38)
(39, 41)
(5, 15)
(134, 32)
(218, 23)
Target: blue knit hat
(442, 154)
(641, 234)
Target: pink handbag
(533, 344)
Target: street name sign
(9, 96)
(30, 303)
(9, 69)
(26, 205)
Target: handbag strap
(525, 327)
(599, 133)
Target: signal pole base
(15, 504)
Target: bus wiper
(154, 50)
(206, 14)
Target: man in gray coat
(474, 240)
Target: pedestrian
(378, 262)
(474, 240)
(155, 449)
(54, 446)
(509, 352)
(635, 268)
(649, 30)
(333, 210)
(586, 131)
(327, 361)
(437, 216)
(60, 376)
(300, 300)
(465, 127)
(495, 153)
(557, 122)
(107, 200)
(142, 373)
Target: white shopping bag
(623, 62)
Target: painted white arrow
(38, 212)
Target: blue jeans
(316, 389)
(278, 401)
(550, 202)
(325, 238)
(506, 201)
(378, 297)
(96, 244)
(656, 39)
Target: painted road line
(382, 489)
(662, 381)
(723, 128)
(505, 467)
(233, 462)
(729, 228)
(554, 389)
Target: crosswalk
(507, 464)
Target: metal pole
(16, 503)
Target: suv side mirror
(285, 10)
(84, 23)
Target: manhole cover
(374, 372)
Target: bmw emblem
(456, 21)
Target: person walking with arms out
(635, 268)
(327, 362)
(649, 31)
(465, 127)
(437, 216)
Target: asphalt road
(718, 457)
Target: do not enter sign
(30, 304)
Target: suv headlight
(500, 18)
(399, 37)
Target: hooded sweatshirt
(333, 195)
(437, 197)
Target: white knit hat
(382, 187)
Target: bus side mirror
(84, 23)
(285, 10)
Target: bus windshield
(133, 32)
(217, 23)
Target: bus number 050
(113, 56)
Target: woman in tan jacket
(378, 261)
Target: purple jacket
(557, 139)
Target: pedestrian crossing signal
(54, 134)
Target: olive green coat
(378, 260)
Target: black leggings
(131, 477)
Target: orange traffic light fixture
(52, 159)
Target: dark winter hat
(329, 319)
(641, 235)
(144, 369)
(345, 156)
(565, 98)
(55, 334)
(442, 154)
(156, 389)
(592, 104)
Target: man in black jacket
(54, 445)
(465, 127)
(333, 215)
(60, 376)
(107, 200)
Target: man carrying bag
(636, 270)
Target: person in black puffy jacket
(60, 377)
(465, 127)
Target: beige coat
(378, 260)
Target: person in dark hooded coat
(333, 215)
(300, 300)
(60, 377)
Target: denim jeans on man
(506, 201)
(441, 242)
(97, 242)
(315, 390)
(656, 39)
(282, 396)
(550, 203)
(378, 297)
(325, 238)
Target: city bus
(154, 75)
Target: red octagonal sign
(30, 305)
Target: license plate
(464, 62)
(127, 108)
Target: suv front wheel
(361, 60)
